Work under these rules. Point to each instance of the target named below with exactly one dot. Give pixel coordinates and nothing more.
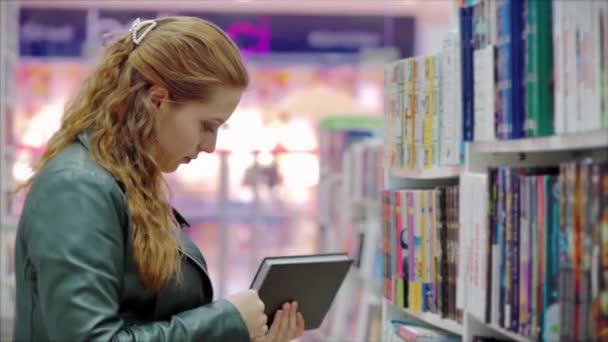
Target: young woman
(99, 252)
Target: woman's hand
(288, 324)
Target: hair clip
(138, 24)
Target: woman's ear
(157, 95)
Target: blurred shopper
(100, 254)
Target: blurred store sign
(72, 32)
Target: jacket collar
(85, 139)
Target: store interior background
(256, 196)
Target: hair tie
(138, 24)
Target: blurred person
(99, 251)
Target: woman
(99, 252)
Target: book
(311, 280)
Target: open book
(311, 280)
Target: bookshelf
(531, 179)
(595, 139)
(436, 321)
(433, 173)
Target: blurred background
(317, 70)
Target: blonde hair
(187, 56)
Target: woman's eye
(207, 128)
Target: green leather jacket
(75, 276)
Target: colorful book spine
(524, 220)
(404, 244)
(416, 280)
(539, 67)
(399, 287)
(501, 228)
(515, 265)
(554, 255)
(386, 250)
(466, 36)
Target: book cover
(287, 278)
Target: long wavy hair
(189, 57)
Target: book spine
(558, 61)
(502, 246)
(386, 242)
(418, 252)
(466, 32)
(515, 263)
(411, 202)
(509, 249)
(444, 253)
(542, 232)
(404, 242)
(494, 233)
(433, 251)
(599, 317)
(553, 282)
(457, 245)
(398, 250)
(523, 253)
(503, 72)
(424, 249)
(429, 114)
(539, 93)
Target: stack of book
(533, 68)
(420, 241)
(544, 242)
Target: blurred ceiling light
(43, 125)
(299, 135)
(22, 171)
(319, 101)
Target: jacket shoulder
(69, 167)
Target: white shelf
(433, 173)
(433, 320)
(563, 142)
(511, 335)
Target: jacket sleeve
(76, 245)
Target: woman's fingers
(274, 328)
(300, 325)
(293, 320)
